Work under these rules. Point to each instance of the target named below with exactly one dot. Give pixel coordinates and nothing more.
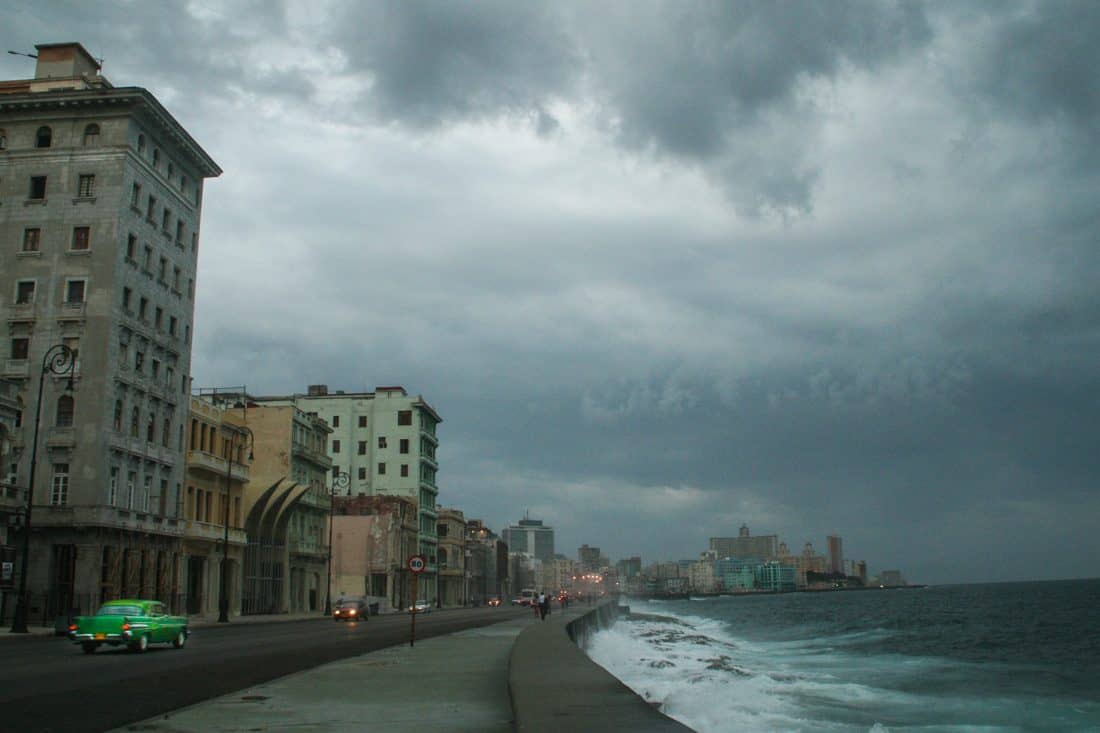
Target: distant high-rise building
(836, 554)
(589, 558)
(745, 546)
(530, 536)
(629, 567)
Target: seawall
(554, 686)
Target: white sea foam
(712, 681)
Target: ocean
(995, 657)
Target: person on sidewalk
(544, 606)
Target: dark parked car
(351, 609)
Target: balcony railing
(203, 461)
(16, 368)
(192, 529)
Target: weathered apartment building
(101, 193)
(385, 441)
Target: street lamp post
(59, 359)
(340, 480)
(223, 602)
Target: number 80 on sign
(417, 563)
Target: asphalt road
(47, 685)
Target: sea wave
(696, 670)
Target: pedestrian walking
(544, 606)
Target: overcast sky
(665, 269)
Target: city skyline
(813, 304)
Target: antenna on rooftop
(20, 53)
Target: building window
(139, 361)
(20, 348)
(147, 490)
(135, 421)
(127, 297)
(151, 208)
(381, 469)
(85, 187)
(59, 487)
(171, 170)
(176, 280)
(65, 406)
(151, 427)
(404, 445)
(336, 446)
(135, 195)
(3, 139)
(166, 219)
(37, 190)
(162, 272)
(362, 474)
(158, 319)
(179, 233)
(362, 421)
(91, 134)
(32, 239)
(143, 308)
(43, 138)
(172, 321)
(131, 249)
(82, 237)
(117, 421)
(24, 292)
(405, 469)
(131, 480)
(335, 421)
(141, 143)
(362, 447)
(156, 157)
(74, 291)
(112, 487)
(382, 441)
(404, 417)
(147, 260)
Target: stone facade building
(100, 202)
(486, 564)
(451, 554)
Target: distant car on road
(351, 609)
(135, 623)
(421, 607)
(494, 601)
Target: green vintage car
(137, 624)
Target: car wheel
(140, 645)
(180, 640)
(89, 648)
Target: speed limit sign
(417, 563)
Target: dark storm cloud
(535, 216)
(1040, 60)
(432, 63)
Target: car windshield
(348, 604)
(119, 611)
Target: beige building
(701, 577)
(218, 459)
(451, 553)
(373, 536)
(286, 504)
(558, 574)
(100, 203)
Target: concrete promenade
(517, 675)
